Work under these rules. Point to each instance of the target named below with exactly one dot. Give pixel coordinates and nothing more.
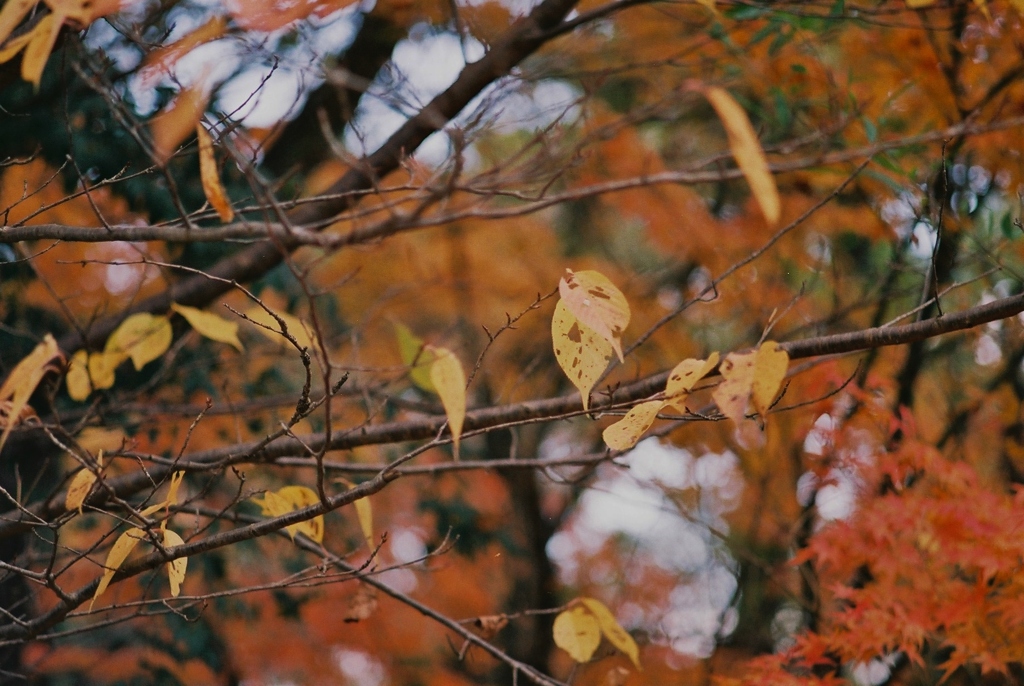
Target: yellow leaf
(44, 37)
(733, 393)
(296, 327)
(179, 120)
(416, 356)
(769, 371)
(683, 377)
(14, 46)
(12, 14)
(22, 381)
(97, 439)
(142, 337)
(210, 177)
(581, 353)
(77, 379)
(364, 511)
(79, 490)
(596, 303)
(577, 632)
(123, 546)
(172, 492)
(289, 499)
(747, 150)
(1018, 5)
(448, 378)
(176, 567)
(623, 434)
(210, 325)
(101, 368)
(615, 634)
(917, 4)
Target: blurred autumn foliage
(565, 342)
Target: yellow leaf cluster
(578, 631)
(22, 381)
(289, 499)
(755, 376)
(142, 338)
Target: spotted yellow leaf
(581, 353)
(596, 303)
(623, 434)
(683, 377)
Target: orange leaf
(747, 150)
(160, 61)
(212, 186)
(174, 124)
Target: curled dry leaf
(142, 337)
(361, 604)
(450, 381)
(210, 176)
(210, 325)
(581, 353)
(623, 434)
(747, 150)
(488, 626)
(289, 499)
(597, 303)
(19, 385)
(175, 568)
(611, 629)
(577, 632)
(123, 546)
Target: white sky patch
(635, 503)
(360, 668)
(407, 545)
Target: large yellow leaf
(123, 546)
(210, 325)
(683, 377)
(747, 150)
(577, 632)
(581, 353)
(450, 382)
(175, 568)
(416, 356)
(22, 381)
(37, 52)
(597, 303)
(289, 499)
(272, 329)
(623, 434)
(210, 177)
(615, 634)
(142, 337)
(769, 371)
